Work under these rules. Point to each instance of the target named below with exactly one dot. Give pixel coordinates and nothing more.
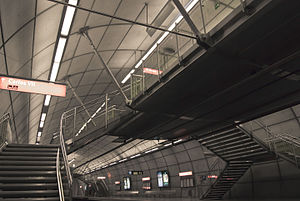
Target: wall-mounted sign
(183, 174)
(151, 71)
(135, 172)
(146, 179)
(32, 86)
(212, 176)
(127, 183)
(163, 178)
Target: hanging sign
(32, 86)
(151, 71)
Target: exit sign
(32, 86)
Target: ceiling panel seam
(24, 25)
(139, 14)
(75, 49)
(7, 72)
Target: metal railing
(286, 146)
(283, 144)
(216, 168)
(5, 131)
(208, 16)
(65, 157)
(59, 179)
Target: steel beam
(80, 101)
(191, 24)
(84, 32)
(123, 19)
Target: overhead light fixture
(39, 134)
(188, 7)
(101, 177)
(47, 100)
(125, 159)
(151, 150)
(135, 156)
(60, 49)
(42, 124)
(68, 18)
(177, 141)
(43, 117)
(169, 144)
(117, 182)
(54, 71)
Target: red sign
(32, 86)
(152, 71)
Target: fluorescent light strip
(42, 124)
(125, 159)
(39, 134)
(43, 117)
(54, 71)
(177, 141)
(60, 49)
(151, 150)
(47, 100)
(169, 144)
(189, 6)
(68, 18)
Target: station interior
(149, 100)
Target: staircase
(239, 150)
(286, 146)
(28, 172)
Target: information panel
(162, 178)
(127, 183)
(32, 86)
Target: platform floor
(170, 199)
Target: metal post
(191, 24)
(177, 46)
(202, 17)
(84, 32)
(80, 101)
(74, 126)
(158, 63)
(106, 112)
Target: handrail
(59, 179)
(3, 135)
(64, 153)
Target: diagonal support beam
(191, 24)
(80, 101)
(122, 19)
(84, 32)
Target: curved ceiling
(29, 33)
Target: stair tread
(22, 163)
(20, 158)
(27, 167)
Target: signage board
(151, 71)
(32, 86)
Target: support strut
(80, 101)
(84, 32)
(191, 24)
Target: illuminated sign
(162, 178)
(183, 174)
(151, 71)
(127, 183)
(135, 172)
(117, 182)
(101, 178)
(146, 179)
(32, 86)
(212, 176)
